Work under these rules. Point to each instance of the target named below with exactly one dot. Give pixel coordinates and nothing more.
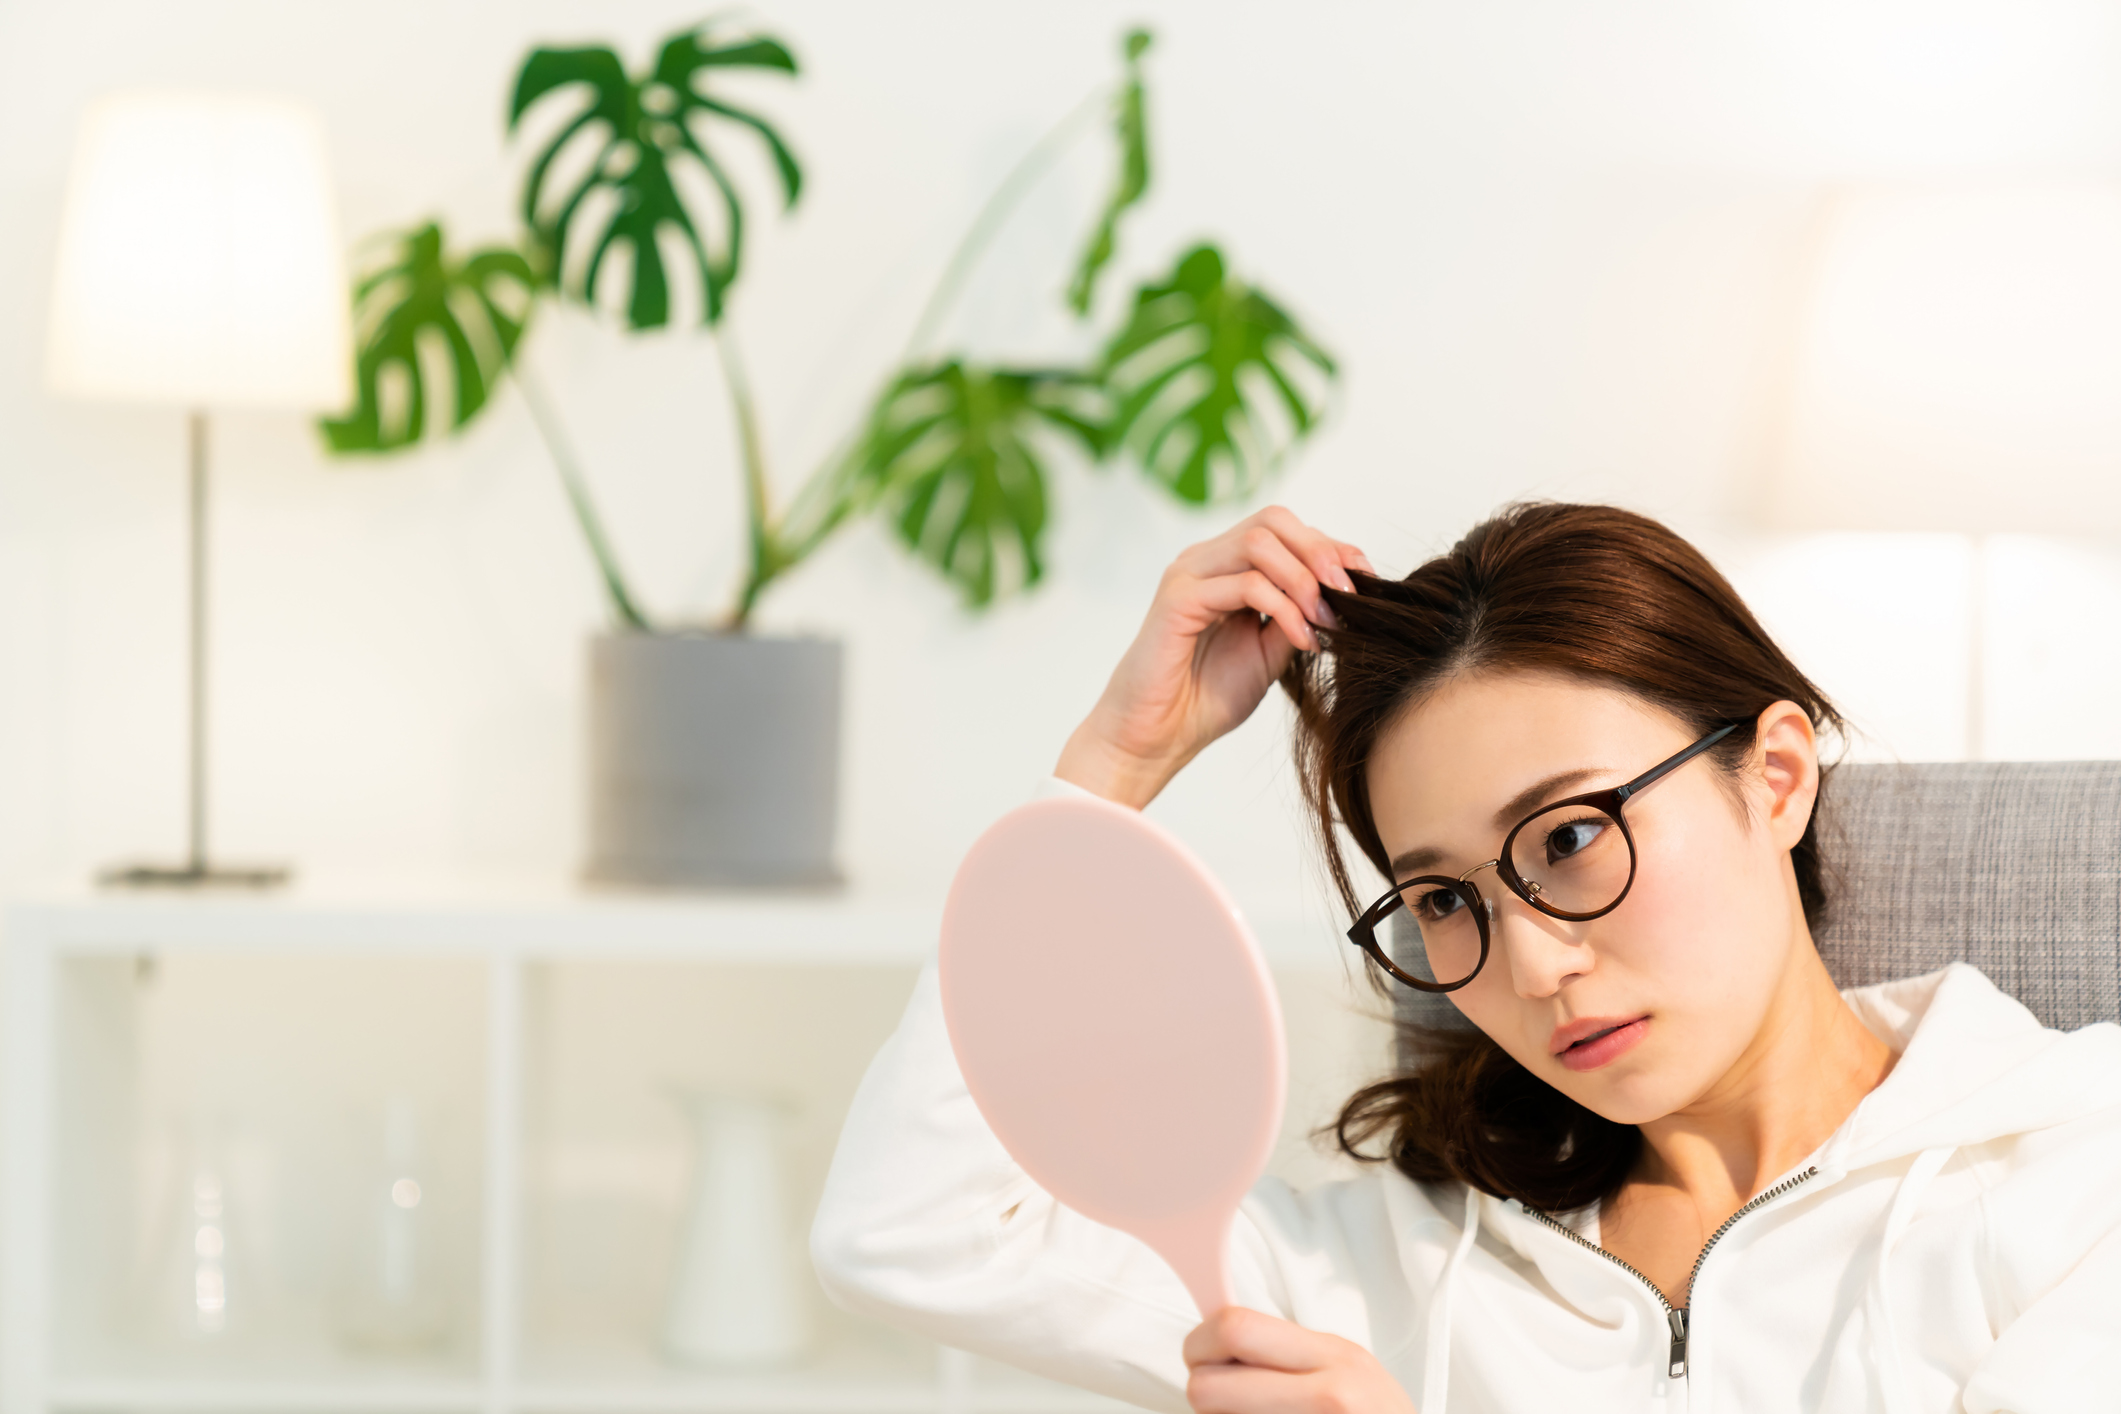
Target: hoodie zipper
(1675, 1317)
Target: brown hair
(1593, 592)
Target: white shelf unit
(503, 986)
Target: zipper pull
(1677, 1320)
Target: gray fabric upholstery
(2012, 866)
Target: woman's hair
(1591, 592)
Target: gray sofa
(2013, 866)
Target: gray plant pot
(713, 759)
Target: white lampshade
(1957, 363)
(199, 257)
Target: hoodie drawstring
(1885, 1339)
(1436, 1366)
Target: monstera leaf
(952, 454)
(474, 308)
(649, 127)
(1131, 126)
(1190, 371)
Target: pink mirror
(1116, 1024)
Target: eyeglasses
(1581, 865)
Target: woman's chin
(1635, 1091)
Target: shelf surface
(819, 928)
(735, 927)
(874, 1372)
(184, 1395)
(798, 1391)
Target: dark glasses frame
(1610, 802)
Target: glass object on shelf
(209, 1275)
(395, 1299)
(202, 1281)
(736, 1296)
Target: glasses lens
(1445, 915)
(1573, 858)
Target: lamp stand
(196, 872)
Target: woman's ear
(1787, 754)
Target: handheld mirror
(1116, 1025)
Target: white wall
(1551, 242)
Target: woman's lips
(1604, 1046)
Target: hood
(1974, 1065)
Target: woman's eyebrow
(1413, 862)
(1521, 805)
(1534, 795)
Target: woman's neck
(1809, 1065)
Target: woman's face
(1673, 985)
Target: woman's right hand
(1228, 615)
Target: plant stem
(832, 485)
(548, 425)
(1029, 168)
(824, 501)
(766, 558)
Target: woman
(1658, 1161)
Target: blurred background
(1643, 252)
(1554, 251)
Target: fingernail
(1341, 581)
(1326, 618)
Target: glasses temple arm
(1665, 768)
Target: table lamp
(199, 267)
(1956, 366)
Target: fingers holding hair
(1326, 558)
(1271, 556)
(1253, 590)
(1299, 557)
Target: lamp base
(192, 876)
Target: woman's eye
(1567, 841)
(1438, 903)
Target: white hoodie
(1954, 1245)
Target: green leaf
(1199, 356)
(646, 130)
(474, 307)
(1130, 125)
(952, 455)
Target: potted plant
(714, 749)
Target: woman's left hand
(1247, 1362)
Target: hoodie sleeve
(2054, 1227)
(2059, 1352)
(926, 1223)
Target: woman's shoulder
(1958, 996)
(1366, 1208)
(1354, 1254)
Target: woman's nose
(1540, 952)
